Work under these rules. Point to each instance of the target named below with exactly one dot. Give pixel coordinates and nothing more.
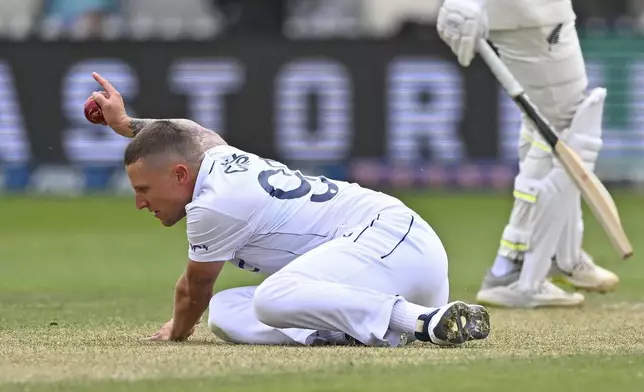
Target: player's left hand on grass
(460, 24)
(165, 333)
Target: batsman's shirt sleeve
(214, 236)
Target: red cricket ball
(93, 112)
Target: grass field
(82, 281)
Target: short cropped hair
(163, 137)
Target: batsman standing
(538, 42)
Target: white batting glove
(460, 24)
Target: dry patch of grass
(114, 352)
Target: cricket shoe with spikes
(512, 296)
(326, 338)
(586, 275)
(491, 281)
(453, 324)
(391, 339)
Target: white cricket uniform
(338, 256)
(538, 42)
(522, 14)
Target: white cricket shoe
(586, 275)
(453, 324)
(511, 296)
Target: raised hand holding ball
(93, 112)
(107, 108)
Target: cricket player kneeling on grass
(345, 264)
(537, 41)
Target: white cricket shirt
(261, 215)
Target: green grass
(82, 281)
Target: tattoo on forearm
(206, 138)
(136, 125)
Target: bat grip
(499, 69)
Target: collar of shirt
(205, 169)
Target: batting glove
(460, 24)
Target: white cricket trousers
(546, 220)
(349, 284)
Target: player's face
(163, 189)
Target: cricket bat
(593, 191)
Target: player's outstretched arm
(191, 298)
(135, 125)
(116, 117)
(213, 238)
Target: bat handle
(499, 69)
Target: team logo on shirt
(236, 164)
(196, 248)
(554, 36)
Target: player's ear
(182, 173)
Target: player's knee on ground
(274, 303)
(220, 321)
